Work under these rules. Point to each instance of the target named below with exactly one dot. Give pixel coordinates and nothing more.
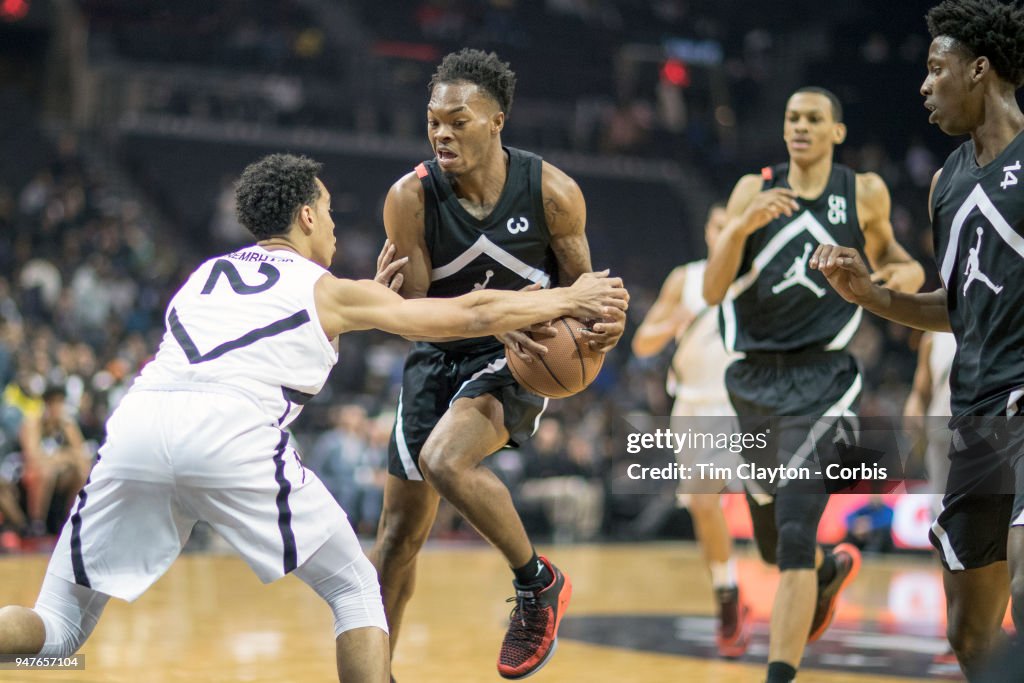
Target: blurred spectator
(351, 465)
(12, 519)
(56, 463)
(869, 527)
(558, 478)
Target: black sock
(533, 574)
(780, 672)
(827, 570)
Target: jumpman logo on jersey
(973, 271)
(797, 275)
(482, 285)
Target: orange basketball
(568, 367)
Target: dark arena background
(124, 126)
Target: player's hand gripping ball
(568, 367)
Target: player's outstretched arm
(664, 318)
(350, 305)
(848, 275)
(749, 209)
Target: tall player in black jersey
(793, 329)
(478, 215)
(975, 67)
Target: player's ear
(978, 68)
(839, 133)
(497, 122)
(306, 215)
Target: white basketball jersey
(940, 362)
(247, 321)
(701, 359)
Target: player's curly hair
(985, 28)
(484, 69)
(272, 190)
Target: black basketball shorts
(434, 379)
(984, 494)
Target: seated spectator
(558, 476)
(12, 518)
(56, 463)
(869, 527)
(337, 456)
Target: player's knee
(69, 613)
(970, 644)
(355, 599)
(796, 545)
(438, 470)
(400, 540)
(62, 639)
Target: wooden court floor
(639, 614)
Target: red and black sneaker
(847, 565)
(533, 626)
(733, 634)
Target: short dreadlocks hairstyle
(484, 69)
(984, 28)
(272, 190)
(837, 106)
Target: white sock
(723, 574)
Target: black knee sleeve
(797, 543)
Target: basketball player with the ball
(477, 215)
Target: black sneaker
(847, 565)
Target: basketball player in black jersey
(975, 67)
(793, 329)
(477, 215)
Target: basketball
(568, 368)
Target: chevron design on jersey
(806, 222)
(977, 199)
(195, 356)
(485, 246)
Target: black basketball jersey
(777, 303)
(978, 227)
(509, 249)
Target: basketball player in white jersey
(930, 397)
(251, 337)
(697, 381)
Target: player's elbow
(713, 295)
(641, 346)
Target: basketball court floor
(640, 613)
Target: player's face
(462, 125)
(947, 89)
(809, 130)
(324, 241)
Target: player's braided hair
(984, 28)
(272, 190)
(484, 69)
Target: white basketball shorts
(173, 458)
